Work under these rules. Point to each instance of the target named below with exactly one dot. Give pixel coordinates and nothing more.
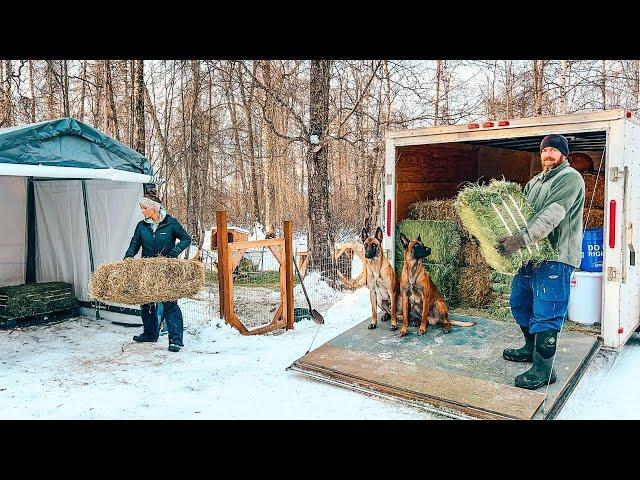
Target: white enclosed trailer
(430, 163)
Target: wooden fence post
(288, 268)
(223, 254)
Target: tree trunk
(111, 118)
(139, 107)
(64, 82)
(563, 83)
(321, 236)
(603, 84)
(436, 107)
(83, 89)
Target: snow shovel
(319, 319)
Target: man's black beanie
(556, 141)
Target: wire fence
(257, 284)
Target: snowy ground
(82, 369)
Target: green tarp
(66, 142)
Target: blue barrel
(592, 250)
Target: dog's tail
(458, 323)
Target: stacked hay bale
(146, 280)
(593, 197)
(36, 298)
(443, 237)
(462, 273)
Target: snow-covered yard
(82, 368)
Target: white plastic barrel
(585, 300)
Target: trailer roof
(520, 123)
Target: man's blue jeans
(540, 295)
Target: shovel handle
(295, 264)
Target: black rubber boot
(144, 338)
(522, 354)
(540, 373)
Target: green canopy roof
(66, 142)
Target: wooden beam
(237, 256)
(267, 328)
(256, 243)
(276, 253)
(221, 226)
(288, 271)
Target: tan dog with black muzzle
(381, 280)
(419, 295)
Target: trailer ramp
(461, 374)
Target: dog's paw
(394, 327)
(386, 317)
(421, 331)
(372, 326)
(403, 332)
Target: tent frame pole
(86, 220)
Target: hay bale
(501, 288)
(590, 186)
(146, 280)
(593, 218)
(475, 286)
(504, 278)
(470, 254)
(476, 205)
(36, 298)
(433, 210)
(443, 237)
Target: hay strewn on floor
(146, 280)
(34, 298)
(484, 211)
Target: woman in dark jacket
(157, 235)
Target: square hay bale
(475, 286)
(593, 218)
(470, 254)
(35, 298)
(443, 237)
(433, 210)
(593, 188)
(136, 281)
(496, 210)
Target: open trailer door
(461, 374)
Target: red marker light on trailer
(473, 125)
(487, 124)
(621, 330)
(628, 114)
(503, 123)
(388, 218)
(612, 224)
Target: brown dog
(419, 295)
(381, 280)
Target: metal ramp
(461, 374)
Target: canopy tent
(68, 202)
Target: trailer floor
(462, 374)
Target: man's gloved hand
(508, 245)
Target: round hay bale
(581, 162)
(590, 186)
(475, 286)
(471, 255)
(136, 281)
(593, 218)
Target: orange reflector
(487, 124)
(503, 123)
(473, 125)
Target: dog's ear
(404, 240)
(364, 234)
(418, 239)
(379, 234)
